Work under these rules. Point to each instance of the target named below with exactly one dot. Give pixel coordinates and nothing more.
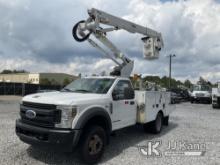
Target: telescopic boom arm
(82, 30)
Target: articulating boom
(82, 30)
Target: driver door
(124, 110)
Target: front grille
(38, 105)
(200, 95)
(46, 114)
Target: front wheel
(214, 106)
(93, 144)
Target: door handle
(131, 102)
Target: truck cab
(86, 112)
(201, 93)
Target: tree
(66, 81)
(209, 83)
(103, 73)
(45, 81)
(155, 79)
(54, 82)
(187, 83)
(165, 82)
(7, 71)
(202, 81)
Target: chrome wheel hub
(95, 145)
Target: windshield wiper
(66, 89)
(82, 90)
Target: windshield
(90, 85)
(201, 88)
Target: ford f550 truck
(87, 111)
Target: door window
(119, 89)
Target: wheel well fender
(95, 115)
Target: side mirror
(115, 95)
(128, 93)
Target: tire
(214, 106)
(147, 127)
(155, 126)
(166, 120)
(92, 144)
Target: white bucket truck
(83, 114)
(201, 93)
(216, 96)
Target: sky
(36, 36)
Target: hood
(200, 92)
(62, 98)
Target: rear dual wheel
(156, 125)
(215, 106)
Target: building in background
(38, 78)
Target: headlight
(67, 115)
(208, 94)
(193, 95)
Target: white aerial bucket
(152, 47)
